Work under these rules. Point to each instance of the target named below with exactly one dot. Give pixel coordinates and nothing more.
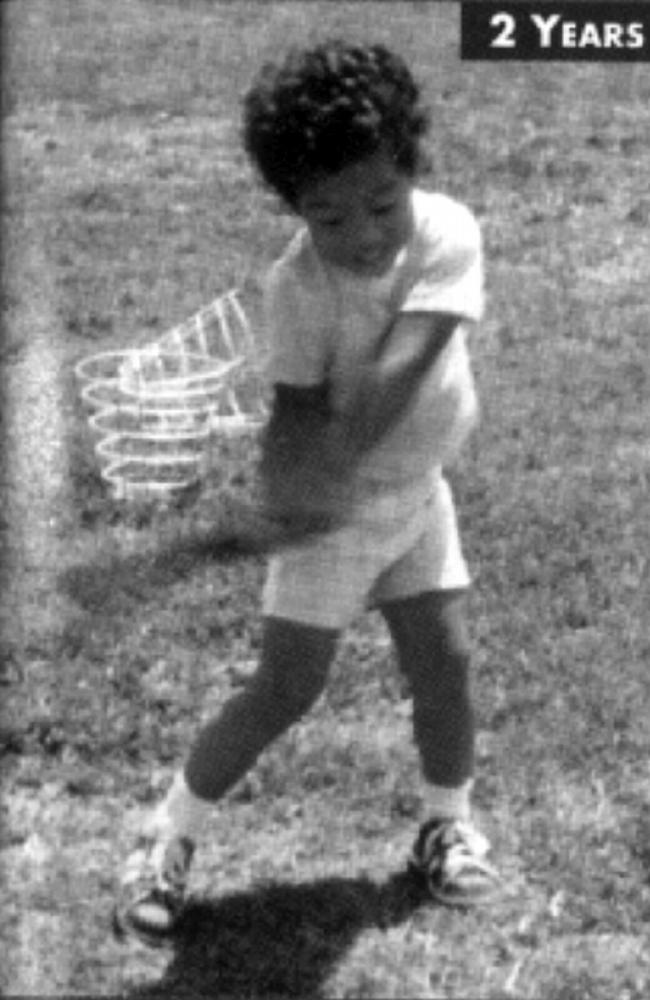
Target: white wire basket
(156, 411)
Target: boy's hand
(307, 460)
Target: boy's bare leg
(292, 672)
(291, 675)
(430, 635)
(449, 853)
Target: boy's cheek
(334, 250)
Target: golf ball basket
(157, 412)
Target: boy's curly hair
(328, 107)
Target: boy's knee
(294, 665)
(430, 625)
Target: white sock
(181, 813)
(449, 803)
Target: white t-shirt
(322, 319)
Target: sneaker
(450, 856)
(153, 889)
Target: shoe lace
(176, 862)
(450, 844)
(158, 867)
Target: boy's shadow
(117, 585)
(279, 940)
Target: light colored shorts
(399, 543)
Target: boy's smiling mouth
(374, 264)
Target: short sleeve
(448, 272)
(297, 339)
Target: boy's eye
(330, 223)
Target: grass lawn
(128, 204)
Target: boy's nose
(368, 235)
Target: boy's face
(360, 218)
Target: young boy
(367, 314)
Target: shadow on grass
(111, 583)
(278, 940)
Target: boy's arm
(308, 452)
(392, 373)
(303, 468)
